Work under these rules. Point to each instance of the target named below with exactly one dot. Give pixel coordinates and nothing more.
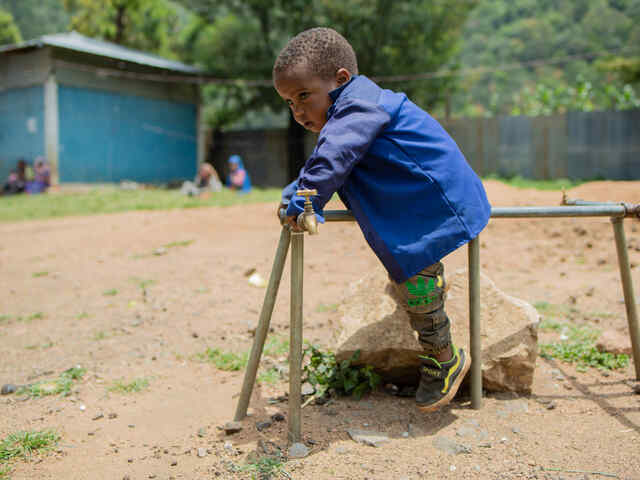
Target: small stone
(131, 425)
(551, 405)
(228, 447)
(447, 445)
(98, 416)
(126, 477)
(341, 450)
(83, 408)
(202, 452)
(307, 389)
(152, 475)
(174, 463)
(452, 468)
(112, 416)
(130, 460)
(232, 427)
(8, 388)
(260, 426)
(277, 417)
(636, 389)
(371, 438)
(298, 450)
(405, 434)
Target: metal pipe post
(295, 343)
(627, 288)
(475, 341)
(263, 324)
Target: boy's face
(308, 95)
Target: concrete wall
(577, 145)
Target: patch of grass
(110, 293)
(40, 274)
(22, 444)
(270, 376)
(35, 316)
(184, 243)
(521, 182)
(577, 345)
(82, 316)
(110, 199)
(547, 324)
(99, 336)
(5, 319)
(227, 361)
(264, 468)
(61, 385)
(331, 307)
(5, 471)
(136, 385)
(276, 346)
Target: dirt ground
(139, 295)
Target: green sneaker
(439, 381)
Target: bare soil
(139, 295)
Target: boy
(408, 185)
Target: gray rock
(368, 437)
(228, 447)
(8, 388)
(375, 325)
(307, 389)
(298, 450)
(260, 426)
(232, 427)
(449, 446)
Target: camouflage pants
(423, 296)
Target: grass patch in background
(270, 376)
(23, 444)
(61, 385)
(520, 182)
(578, 345)
(5, 471)
(111, 199)
(227, 361)
(136, 385)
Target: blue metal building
(98, 112)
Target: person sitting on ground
(238, 178)
(17, 179)
(409, 187)
(41, 178)
(206, 182)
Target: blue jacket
(410, 189)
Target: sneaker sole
(452, 391)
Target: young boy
(408, 185)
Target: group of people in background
(208, 181)
(28, 179)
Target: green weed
(137, 385)
(40, 274)
(99, 336)
(5, 319)
(328, 375)
(82, 316)
(270, 376)
(5, 471)
(577, 345)
(110, 293)
(521, 182)
(61, 385)
(276, 346)
(22, 444)
(230, 362)
(264, 468)
(184, 243)
(35, 316)
(323, 308)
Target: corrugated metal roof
(80, 43)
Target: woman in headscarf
(238, 178)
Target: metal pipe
(263, 324)
(475, 341)
(595, 210)
(627, 288)
(295, 342)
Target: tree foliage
(36, 17)
(148, 25)
(9, 32)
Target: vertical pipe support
(474, 323)
(627, 288)
(295, 343)
(263, 324)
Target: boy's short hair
(323, 50)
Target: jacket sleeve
(342, 143)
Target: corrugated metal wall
(109, 137)
(21, 127)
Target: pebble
(83, 408)
(368, 437)
(112, 416)
(307, 389)
(551, 405)
(228, 447)
(277, 417)
(298, 450)
(174, 463)
(202, 452)
(260, 426)
(447, 445)
(98, 416)
(232, 427)
(8, 388)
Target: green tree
(37, 17)
(9, 32)
(148, 25)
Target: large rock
(370, 321)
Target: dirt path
(139, 295)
